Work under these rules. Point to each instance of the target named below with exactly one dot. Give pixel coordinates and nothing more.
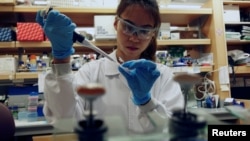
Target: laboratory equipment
(91, 129)
(184, 125)
(78, 38)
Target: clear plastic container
(33, 99)
(22, 115)
(32, 116)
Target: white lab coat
(62, 101)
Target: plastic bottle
(32, 62)
(33, 99)
(32, 106)
(46, 59)
(22, 114)
(15, 111)
(32, 113)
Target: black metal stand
(185, 126)
(95, 132)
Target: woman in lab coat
(147, 86)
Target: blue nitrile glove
(59, 29)
(141, 76)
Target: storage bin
(6, 34)
(29, 31)
(20, 90)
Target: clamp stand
(91, 129)
(183, 125)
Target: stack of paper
(233, 35)
(245, 32)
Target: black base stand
(185, 126)
(94, 132)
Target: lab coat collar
(111, 68)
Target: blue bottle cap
(33, 94)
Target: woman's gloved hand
(141, 75)
(59, 29)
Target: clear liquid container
(33, 99)
(32, 62)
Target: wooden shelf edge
(26, 75)
(113, 43)
(242, 69)
(101, 10)
(66, 9)
(34, 75)
(7, 44)
(33, 44)
(237, 42)
(7, 76)
(197, 11)
(237, 23)
(6, 8)
(185, 42)
(238, 2)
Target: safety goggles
(141, 33)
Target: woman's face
(130, 46)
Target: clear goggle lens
(141, 33)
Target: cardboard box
(104, 29)
(6, 34)
(231, 13)
(164, 32)
(185, 33)
(8, 64)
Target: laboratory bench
(43, 131)
(24, 128)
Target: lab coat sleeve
(61, 101)
(166, 95)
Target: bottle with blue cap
(32, 106)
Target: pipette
(78, 38)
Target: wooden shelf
(7, 76)
(101, 10)
(84, 10)
(103, 44)
(184, 42)
(203, 17)
(242, 69)
(237, 23)
(238, 42)
(7, 44)
(174, 16)
(243, 4)
(206, 68)
(34, 75)
(26, 75)
(7, 2)
(43, 44)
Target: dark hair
(152, 8)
